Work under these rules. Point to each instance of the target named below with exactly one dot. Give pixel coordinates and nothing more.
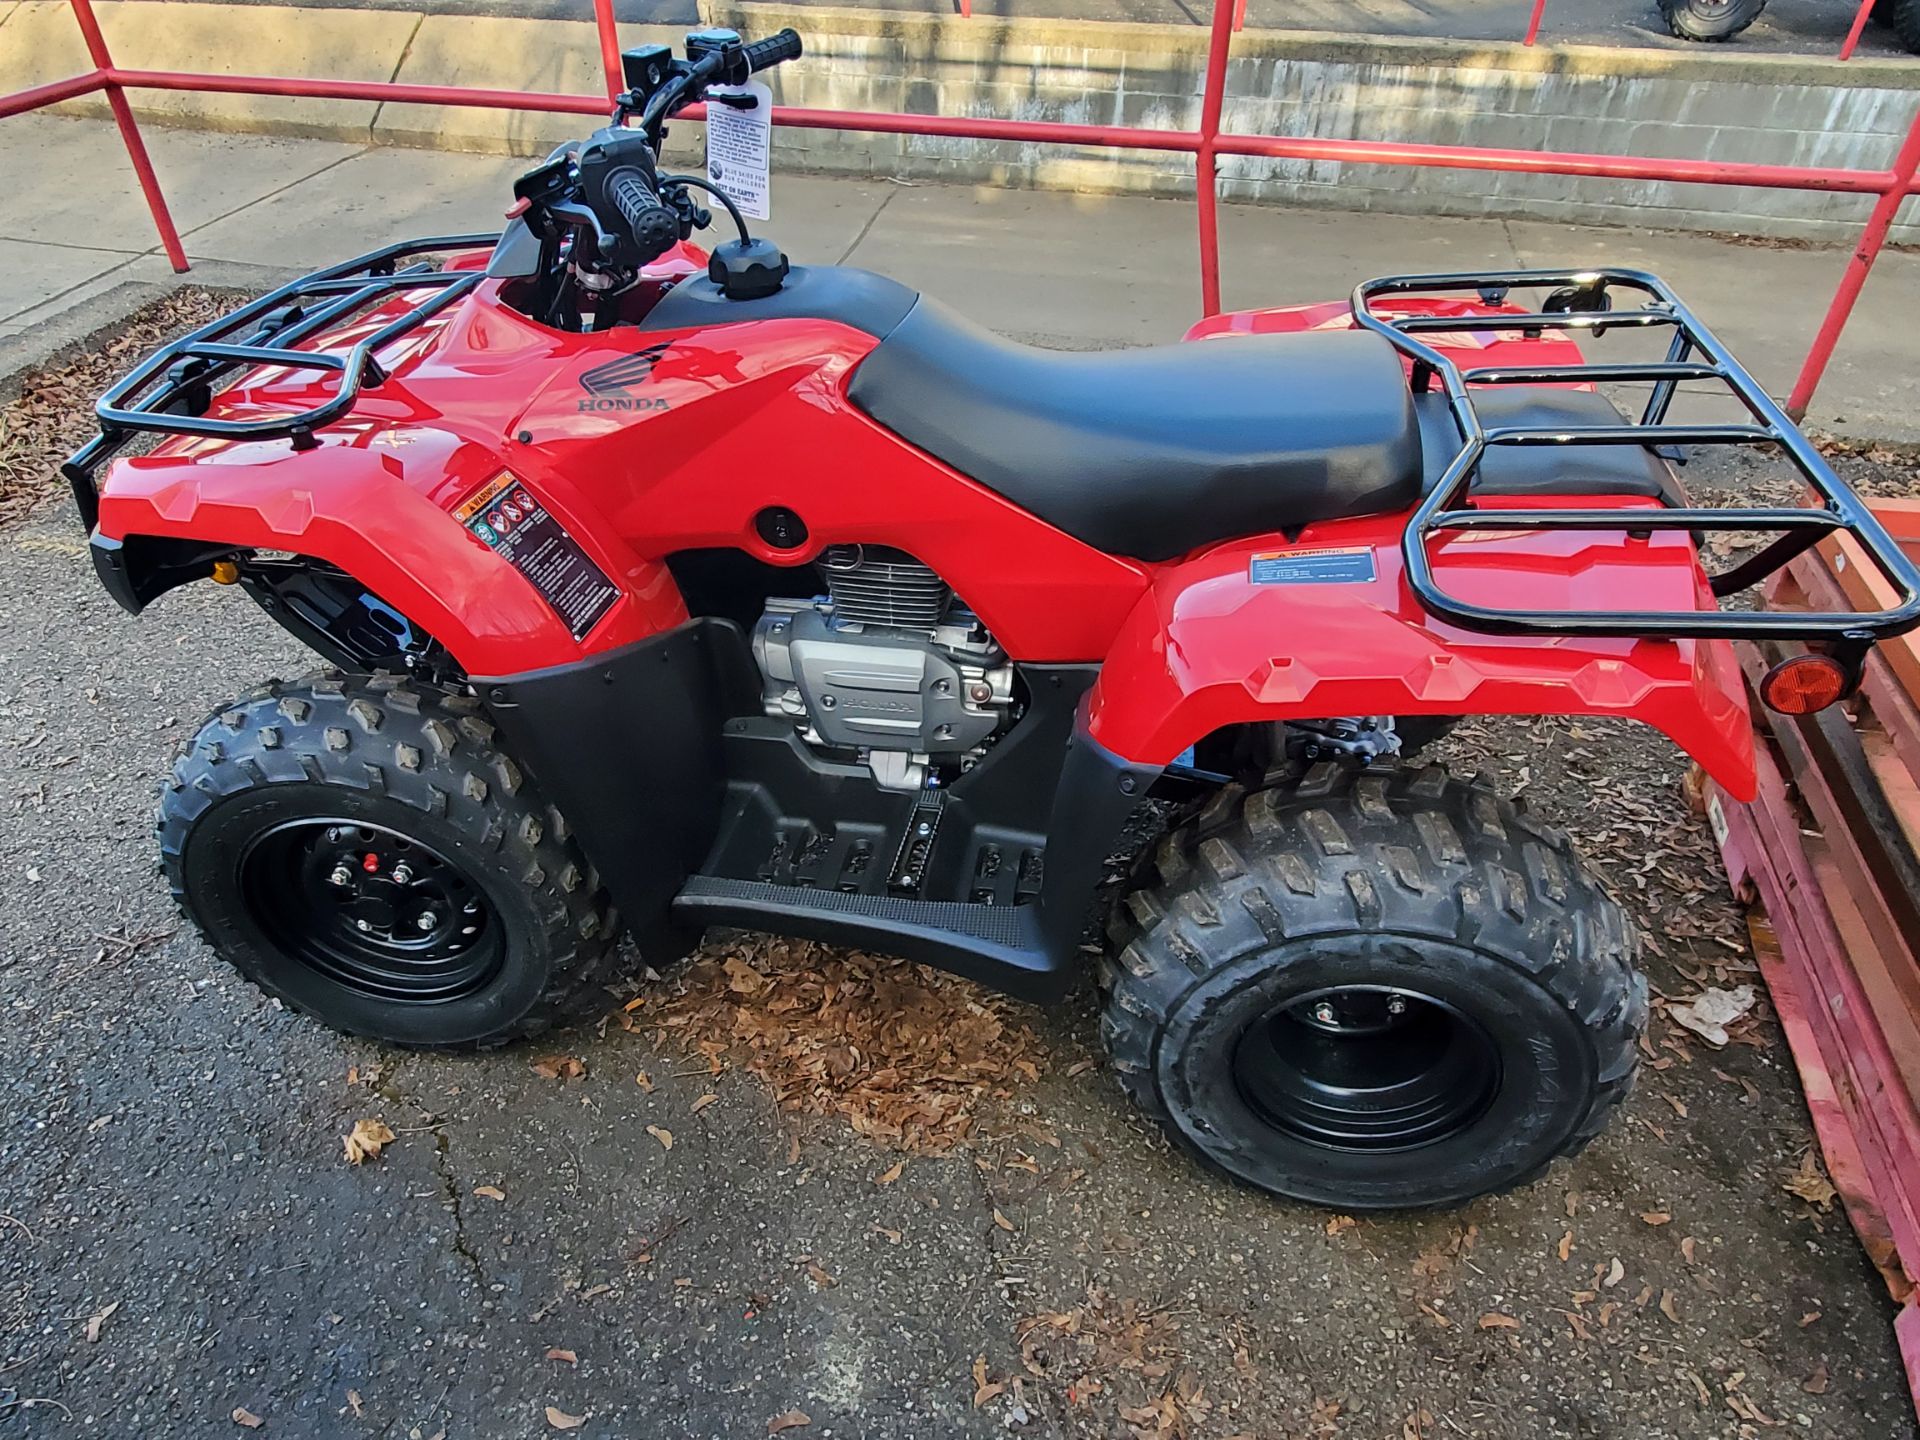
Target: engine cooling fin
(877, 585)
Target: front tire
(1373, 989)
(1904, 17)
(361, 852)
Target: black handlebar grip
(654, 228)
(765, 54)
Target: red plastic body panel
(733, 418)
(1208, 647)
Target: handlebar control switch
(747, 269)
(724, 45)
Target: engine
(887, 664)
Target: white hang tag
(740, 147)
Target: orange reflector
(1804, 684)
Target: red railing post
(1885, 209)
(609, 47)
(1859, 24)
(130, 135)
(1206, 174)
(1539, 9)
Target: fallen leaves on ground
(791, 1420)
(52, 416)
(560, 1067)
(1498, 1320)
(564, 1357)
(560, 1420)
(983, 1388)
(490, 1192)
(246, 1417)
(664, 1136)
(366, 1140)
(1810, 1183)
(905, 1055)
(1117, 1351)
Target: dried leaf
(246, 1417)
(98, 1319)
(366, 1140)
(560, 1420)
(1565, 1249)
(565, 1357)
(663, 1135)
(1816, 1383)
(983, 1388)
(791, 1420)
(644, 1081)
(702, 1103)
(1616, 1272)
(1340, 1224)
(1678, 1105)
(1655, 1217)
(1687, 1247)
(559, 1067)
(1495, 1320)
(891, 1173)
(490, 1192)
(819, 1275)
(893, 1237)
(1667, 1307)
(1810, 1183)
(1002, 1221)
(355, 1404)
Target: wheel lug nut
(1396, 1005)
(426, 921)
(402, 875)
(1323, 1012)
(362, 925)
(341, 875)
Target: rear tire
(361, 852)
(1372, 989)
(1710, 20)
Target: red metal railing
(1206, 145)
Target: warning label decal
(509, 521)
(1352, 566)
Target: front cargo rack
(1581, 301)
(170, 391)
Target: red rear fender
(1245, 634)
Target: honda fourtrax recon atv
(667, 590)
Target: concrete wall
(1711, 104)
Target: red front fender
(1224, 639)
(374, 502)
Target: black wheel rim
(371, 909)
(1367, 1068)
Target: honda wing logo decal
(610, 386)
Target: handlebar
(772, 51)
(654, 227)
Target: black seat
(1154, 453)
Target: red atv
(726, 591)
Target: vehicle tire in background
(1710, 20)
(1904, 18)
(1372, 988)
(361, 851)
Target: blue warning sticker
(1352, 566)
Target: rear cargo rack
(170, 391)
(1580, 303)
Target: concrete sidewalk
(1067, 270)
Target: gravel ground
(182, 1244)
